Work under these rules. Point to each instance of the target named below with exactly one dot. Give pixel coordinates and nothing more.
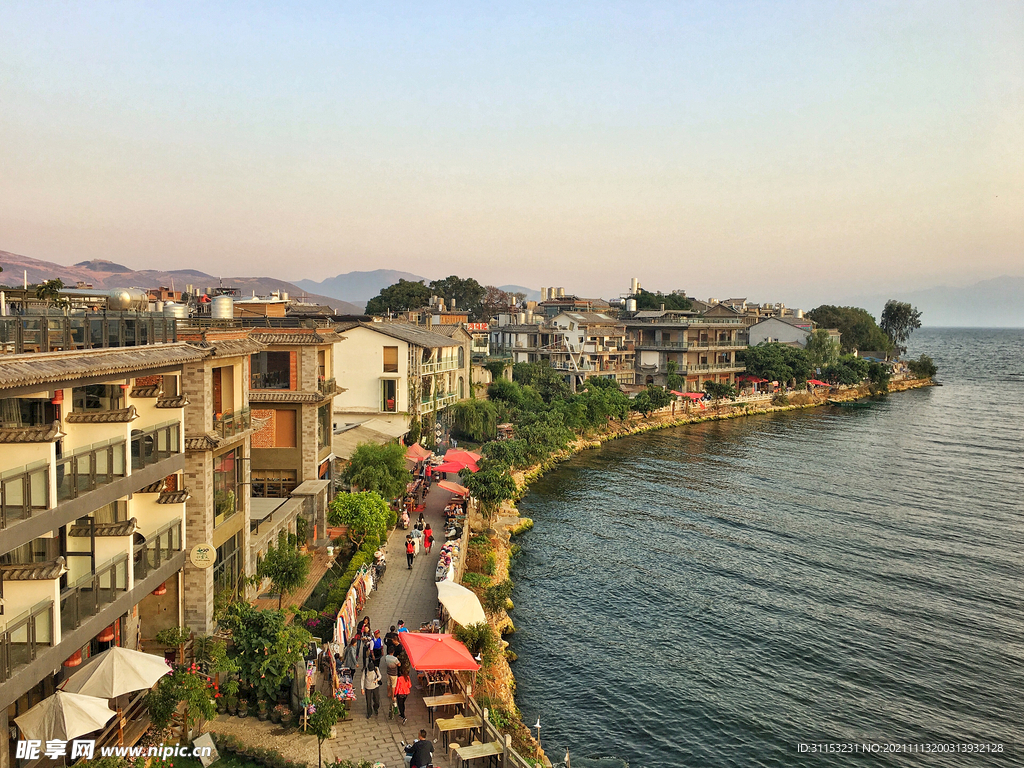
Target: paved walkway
(404, 594)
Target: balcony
(270, 380)
(230, 424)
(563, 366)
(156, 444)
(92, 592)
(720, 344)
(652, 344)
(24, 635)
(158, 549)
(44, 332)
(24, 491)
(704, 367)
(90, 467)
(438, 366)
(327, 387)
(687, 321)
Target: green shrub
(496, 596)
(490, 564)
(475, 579)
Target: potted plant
(243, 708)
(262, 712)
(232, 704)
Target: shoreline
(509, 524)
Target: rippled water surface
(715, 595)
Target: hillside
(107, 274)
(996, 303)
(357, 287)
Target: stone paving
(402, 594)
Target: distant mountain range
(108, 274)
(360, 287)
(996, 303)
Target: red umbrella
(816, 383)
(692, 395)
(462, 457)
(436, 653)
(417, 452)
(454, 466)
(461, 490)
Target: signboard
(206, 740)
(203, 555)
(477, 327)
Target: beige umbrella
(64, 716)
(117, 671)
(462, 604)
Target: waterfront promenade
(402, 594)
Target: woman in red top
(410, 550)
(403, 686)
(428, 536)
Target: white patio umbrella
(64, 716)
(462, 604)
(117, 671)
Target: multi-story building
(396, 372)
(589, 344)
(92, 507)
(702, 347)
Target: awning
(436, 653)
(417, 452)
(691, 395)
(454, 488)
(374, 431)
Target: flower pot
(243, 711)
(233, 706)
(263, 715)
(275, 716)
(222, 705)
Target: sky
(796, 151)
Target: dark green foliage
(365, 514)
(182, 685)
(379, 468)
(497, 595)
(496, 368)
(821, 349)
(285, 566)
(848, 369)
(777, 362)
(879, 377)
(400, 297)
(512, 453)
(548, 382)
(923, 367)
(673, 381)
(490, 486)
(265, 647)
(49, 291)
(479, 639)
(475, 419)
(651, 399)
(466, 292)
(719, 391)
(899, 320)
(324, 713)
(858, 328)
(648, 300)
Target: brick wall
(199, 530)
(266, 437)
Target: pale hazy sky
(776, 150)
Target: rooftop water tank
(631, 305)
(222, 308)
(172, 309)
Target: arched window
(650, 380)
(462, 383)
(462, 357)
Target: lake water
(715, 595)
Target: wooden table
(448, 700)
(473, 751)
(459, 723)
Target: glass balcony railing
(92, 592)
(158, 549)
(436, 366)
(156, 444)
(270, 380)
(89, 468)
(24, 491)
(326, 386)
(230, 424)
(24, 635)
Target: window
(323, 426)
(226, 471)
(273, 483)
(169, 386)
(270, 370)
(390, 359)
(462, 357)
(96, 397)
(284, 428)
(389, 396)
(462, 388)
(228, 567)
(24, 412)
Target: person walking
(403, 687)
(371, 689)
(391, 665)
(350, 659)
(428, 537)
(410, 550)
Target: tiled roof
(234, 347)
(153, 391)
(202, 443)
(51, 368)
(174, 497)
(284, 396)
(34, 571)
(446, 329)
(120, 416)
(412, 334)
(126, 528)
(42, 434)
(316, 337)
(172, 402)
(156, 487)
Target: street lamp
(537, 726)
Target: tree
(511, 453)
(718, 391)
(184, 684)
(266, 647)
(465, 292)
(475, 419)
(858, 328)
(848, 369)
(777, 362)
(400, 297)
(899, 320)
(285, 566)
(821, 349)
(923, 367)
(496, 596)
(364, 514)
(491, 486)
(324, 714)
(49, 291)
(673, 381)
(651, 399)
(495, 301)
(379, 468)
(648, 300)
(879, 377)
